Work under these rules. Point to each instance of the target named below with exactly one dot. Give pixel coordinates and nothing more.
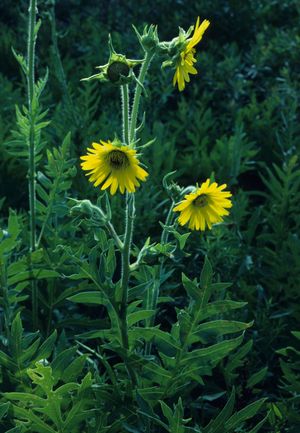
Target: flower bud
(149, 39)
(118, 70)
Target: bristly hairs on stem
(129, 136)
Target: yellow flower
(113, 165)
(205, 206)
(186, 60)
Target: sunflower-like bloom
(114, 166)
(186, 59)
(205, 206)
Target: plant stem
(31, 172)
(6, 311)
(128, 137)
(125, 112)
(130, 214)
(137, 95)
(154, 294)
(165, 233)
(114, 234)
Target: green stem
(154, 294)
(137, 95)
(130, 214)
(165, 233)
(125, 112)
(31, 173)
(114, 235)
(6, 310)
(129, 136)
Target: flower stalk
(129, 136)
(138, 93)
(125, 112)
(154, 293)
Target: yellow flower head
(186, 59)
(113, 165)
(205, 206)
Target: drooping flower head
(113, 165)
(205, 206)
(186, 58)
(118, 70)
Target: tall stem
(130, 214)
(125, 112)
(128, 137)
(137, 95)
(31, 171)
(154, 294)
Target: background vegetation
(237, 120)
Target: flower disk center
(201, 201)
(118, 159)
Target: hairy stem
(154, 293)
(137, 95)
(130, 214)
(129, 136)
(125, 112)
(31, 169)
(114, 235)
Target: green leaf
(153, 333)
(181, 238)
(34, 274)
(97, 298)
(206, 274)
(219, 307)
(7, 361)
(61, 362)
(191, 287)
(176, 424)
(38, 425)
(260, 424)
(248, 412)
(72, 372)
(24, 397)
(212, 354)
(255, 378)
(3, 409)
(29, 352)
(237, 359)
(137, 316)
(168, 413)
(296, 334)
(217, 425)
(206, 331)
(110, 261)
(46, 348)
(16, 337)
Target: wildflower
(186, 58)
(113, 165)
(205, 206)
